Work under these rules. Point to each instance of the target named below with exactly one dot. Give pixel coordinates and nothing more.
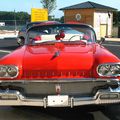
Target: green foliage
(6, 15)
(22, 17)
(49, 4)
(62, 19)
(116, 18)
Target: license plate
(57, 100)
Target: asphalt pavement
(111, 112)
(113, 47)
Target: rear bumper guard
(15, 98)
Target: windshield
(60, 32)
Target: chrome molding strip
(61, 80)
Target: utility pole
(15, 21)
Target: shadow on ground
(78, 113)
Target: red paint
(57, 37)
(37, 38)
(86, 37)
(74, 61)
(73, 22)
(59, 45)
(60, 36)
(71, 59)
(47, 23)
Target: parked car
(22, 33)
(60, 65)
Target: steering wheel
(84, 37)
(75, 36)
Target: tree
(116, 18)
(49, 4)
(62, 19)
(10, 17)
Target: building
(97, 15)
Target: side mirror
(20, 41)
(101, 40)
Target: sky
(26, 5)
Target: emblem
(58, 88)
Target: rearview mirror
(101, 40)
(20, 41)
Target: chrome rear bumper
(15, 98)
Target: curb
(113, 39)
(3, 38)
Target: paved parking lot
(81, 113)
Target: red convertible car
(60, 65)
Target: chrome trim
(107, 64)
(8, 77)
(62, 80)
(21, 100)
